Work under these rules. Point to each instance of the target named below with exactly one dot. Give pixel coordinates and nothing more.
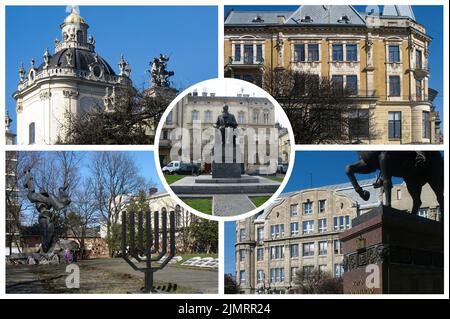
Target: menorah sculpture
(143, 251)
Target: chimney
(280, 19)
(152, 191)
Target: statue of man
(224, 121)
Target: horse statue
(46, 204)
(416, 169)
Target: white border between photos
(220, 4)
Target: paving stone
(231, 205)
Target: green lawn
(275, 178)
(259, 200)
(173, 178)
(203, 205)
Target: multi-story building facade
(70, 81)
(381, 59)
(300, 232)
(284, 146)
(250, 112)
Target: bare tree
(115, 180)
(230, 284)
(320, 110)
(184, 230)
(12, 200)
(83, 213)
(129, 117)
(317, 282)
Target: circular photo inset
(223, 148)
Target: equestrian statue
(416, 169)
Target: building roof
(325, 14)
(314, 15)
(76, 232)
(344, 189)
(255, 17)
(399, 11)
(80, 60)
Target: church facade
(71, 80)
(381, 57)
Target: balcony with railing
(250, 61)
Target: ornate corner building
(382, 58)
(72, 80)
(300, 231)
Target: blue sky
(144, 161)
(187, 34)
(320, 167)
(431, 17)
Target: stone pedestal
(161, 92)
(226, 170)
(391, 251)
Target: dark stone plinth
(239, 180)
(226, 170)
(407, 250)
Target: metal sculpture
(148, 250)
(46, 204)
(416, 169)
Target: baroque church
(71, 80)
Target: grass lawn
(173, 178)
(259, 200)
(275, 178)
(203, 205)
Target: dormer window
(307, 19)
(258, 19)
(344, 19)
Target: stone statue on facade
(159, 73)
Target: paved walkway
(105, 276)
(19, 279)
(201, 280)
(231, 204)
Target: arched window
(31, 133)
(80, 36)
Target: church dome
(79, 59)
